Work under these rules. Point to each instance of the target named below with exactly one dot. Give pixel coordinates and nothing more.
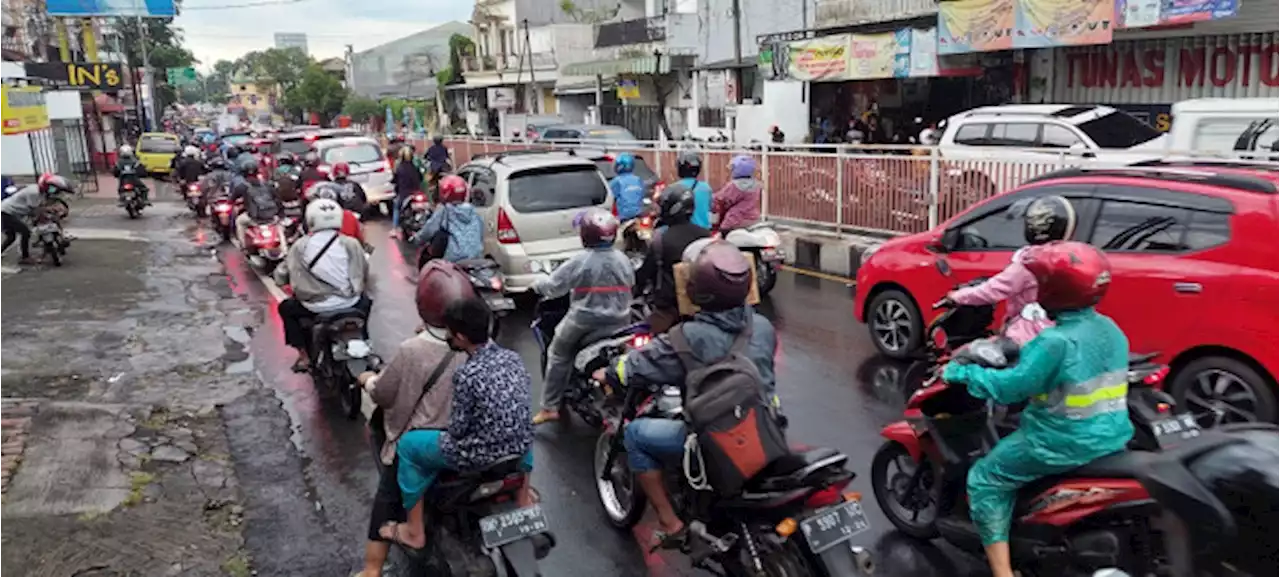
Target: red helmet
(720, 278)
(341, 170)
(440, 284)
(1069, 275)
(596, 227)
(50, 182)
(453, 189)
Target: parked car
(300, 141)
(368, 165)
(597, 134)
(1193, 251)
(156, 151)
(1236, 126)
(528, 200)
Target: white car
(369, 167)
(1232, 127)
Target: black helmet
(720, 277)
(248, 167)
(688, 165)
(1047, 219)
(675, 206)
(438, 139)
(288, 158)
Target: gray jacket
(306, 287)
(599, 283)
(23, 202)
(710, 335)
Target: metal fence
(893, 190)
(64, 149)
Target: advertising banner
(1185, 11)
(1045, 23)
(23, 109)
(885, 55)
(975, 26)
(1137, 13)
(106, 76)
(628, 89)
(825, 58)
(143, 8)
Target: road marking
(821, 275)
(105, 234)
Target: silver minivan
(528, 200)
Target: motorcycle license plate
(1175, 429)
(418, 205)
(834, 526)
(510, 526)
(644, 234)
(500, 303)
(46, 228)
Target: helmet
(688, 165)
(1069, 275)
(341, 170)
(675, 206)
(49, 183)
(624, 163)
(233, 151)
(191, 151)
(742, 166)
(324, 214)
(126, 150)
(1049, 218)
(596, 227)
(311, 158)
(248, 166)
(438, 139)
(453, 189)
(288, 158)
(720, 277)
(325, 191)
(440, 284)
(217, 163)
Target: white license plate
(501, 304)
(418, 205)
(46, 228)
(834, 526)
(510, 526)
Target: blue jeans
(421, 461)
(395, 211)
(651, 441)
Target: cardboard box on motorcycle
(681, 273)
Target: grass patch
(237, 565)
(138, 482)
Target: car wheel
(1222, 390)
(895, 324)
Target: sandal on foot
(545, 417)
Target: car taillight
(506, 231)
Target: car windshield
(556, 188)
(641, 169)
(352, 154)
(1118, 130)
(236, 139)
(298, 146)
(157, 144)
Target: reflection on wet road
(835, 390)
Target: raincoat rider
(1073, 374)
(627, 188)
(738, 201)
(129, 169)
(599, 282)
(674, 234)
(456, 218)
(1046, 219)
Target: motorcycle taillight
(825, 498)
(496, 490)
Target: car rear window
(641, 170)
(157, 144)
(352, 154)
(235, 139)
(556, 188)
(298, 146)
(1118, 130)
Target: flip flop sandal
(541, 418)
(666, 540)
(395, 536)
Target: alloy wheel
(1219, 397)
(892, 325)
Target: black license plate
(1175, 429)
(834, 526)
(510, 526)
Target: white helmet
(126, 150)
(191, 151)
(323, 214)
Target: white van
(1225, 125)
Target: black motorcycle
(490, 285)
(194, 196)
(131, 198)
(48, 233)
(791, 520)
(414, 211)
(340, 351)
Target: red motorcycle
(222, 216)
(265, 245)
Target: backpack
(731, 424)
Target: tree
(164, 51)
(589, 16)
(361, 108)
(459, 46)
(315, 91)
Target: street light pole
(149, 97)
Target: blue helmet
(742, 166)
(624, 163)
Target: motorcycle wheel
(620, 497)
(349, 397)
(904, 516)
(766, 277)
(786, 561)
(51, 252)
(226, 233)
(133, 210)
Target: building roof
(443, 31)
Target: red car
(1194, 257)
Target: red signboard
(1197, 66)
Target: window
(995, 231)
(556, 188)
(1131, 226)
(559, 134)
(1022, 135)
(642, 170)
(711, 117)
(158, 144)
(1118, 130)
(1054, 136)
(482, 187)
(1207, 229)
(972, 134)
(297, 146)
(1222, 134)
(352, 154)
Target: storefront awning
(580, 85)
(633, 66)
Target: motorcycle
(292, 220)
(764, 244)
(584, 396)
(1095, 516)
(792, 519)
(194, 197)
(49, 235)
(413, 214)
(265, 245)
(340, 351)
(131, 199)
(489, 285)
(222, 216)
(636, 234)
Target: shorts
(387, 506)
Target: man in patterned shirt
(490, 418)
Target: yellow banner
(22, 109)
(825, 58)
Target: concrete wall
(758, 17)
(375, 69)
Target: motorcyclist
(260, 201)
(351, 225)
(129, 169)
(675, 233)
(599, 281)
(627, 188)
(217, 180)
(437, 159)
(353, 196)
(407, 182)
(1072, 374)
(287, 164)
(455, 218)
(688, 167)
(22, 206)
(1046, 219)
(328, 272)
(738, 201)
(311, 173)
(719, 282)
(190, 168)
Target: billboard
(143, 8)
(23, 109)
(79, 75)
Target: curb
(839, 255)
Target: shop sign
(825, 58)
(24, 109)
(994, 25)
(628, 89)
(79, 75)
(1186, 11)
(1191, 66)
(501, 97)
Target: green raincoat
(1075, 375)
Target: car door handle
(1187, 287)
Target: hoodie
(737, 203)
(628, 195)
(465, 227)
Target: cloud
(330, 25)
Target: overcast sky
(329, 24)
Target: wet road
(835, 390)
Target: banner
(1185, 11)
(1045, 23)
(628, 89)
(106, 76)
(885, 55)
(143, 8)
(825, 58)
(1137, 13)
(23, 109)
(975, 26)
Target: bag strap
(431, 382)
(312, 265)
(682, 348)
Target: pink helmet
(596, 227)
